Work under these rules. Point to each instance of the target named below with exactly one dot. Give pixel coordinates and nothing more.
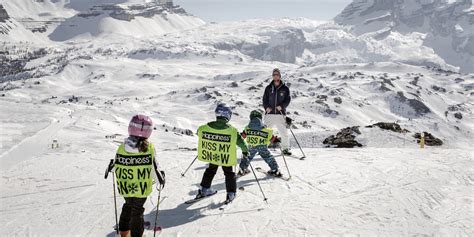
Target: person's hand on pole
(288, 121)
(162, 179)
(279, 108)
(268, 110)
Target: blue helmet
(223, 111)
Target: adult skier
(135, 168)
(258, 137)
(217, 145)
(276, 99)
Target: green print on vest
(258, 137)
(133, 172)
(218, 147)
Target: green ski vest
(133, 172)
(258, 137)
(218, 147)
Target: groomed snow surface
(380, 189)
(82, 92)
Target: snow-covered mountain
(11, 30)
(446, 26)
(3, 14)
(64, 20)
(302, 46)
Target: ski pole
(157, 228)
(284, 159)
(301, 149)
(182, 174)
(115, 205)
(264, 198)
(109, 169)
(291, 130)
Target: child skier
(217, 145)
(135, 169)
(258, 138)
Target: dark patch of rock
(302, 80)
(430, 140)
(253, 88)
(344, 138)
(438, 89)
(458, 115)
(394, 127)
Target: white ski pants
(278, 121)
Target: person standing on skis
(258, 138)
(276, 99)
(135, 168)
(217, 145)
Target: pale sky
(231, 10)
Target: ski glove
(161, 178)
(289, 121)
(276, 140)
(245, 154)
(109, 168)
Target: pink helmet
(140, 126)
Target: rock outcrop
(3, 14)
(394, 127)
(344, 138)
(430, 140)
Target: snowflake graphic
(215, 157)
(133, 188)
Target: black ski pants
(131, 217)
(230, 181)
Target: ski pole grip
(109, 168)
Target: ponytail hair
(142, 145)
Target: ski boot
(243, 172)
(205, 192)
(275, 173)
(230, 197)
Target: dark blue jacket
(276, 96)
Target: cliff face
(3, 14)
(448, 26)
(5, 22)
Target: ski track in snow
(333, 191)
(33, 145)
(88, 89)
(385, 188)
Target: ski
(259, 169)
(224, 207)
(292, 156)
(192, 201)
(147, 226)
(226, 204)
(238, 176)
